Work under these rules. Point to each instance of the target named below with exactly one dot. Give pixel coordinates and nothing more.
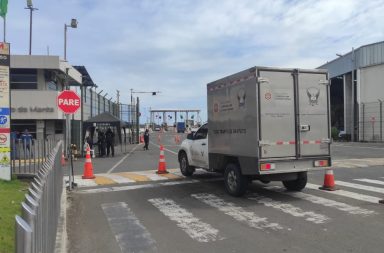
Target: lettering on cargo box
(230, 131)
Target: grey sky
(177, 47)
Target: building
(35, 82)
(357, 92)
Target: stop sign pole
(68, 102)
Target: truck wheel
(185, 169)
(297, 184)
(235, 183)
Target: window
(23, 79)
(201, 133)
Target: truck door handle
(305, 128)
(203, 144)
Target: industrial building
(357, 92)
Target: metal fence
(27, 158)
(371, 122)
(37, 226)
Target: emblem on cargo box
(313, 95)
(241, 97)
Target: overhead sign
(68, 101)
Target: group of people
(105, 142)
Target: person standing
(110, 137)
(26, 138)
(146, 139)
(101, 143)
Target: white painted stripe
(236, 212)
(170, 151)
(360, 186)
(118, 179)
(346, 146)
(84, 182)
(371, 181)
(323, 201)
(130, 234)
(194, 227)
(122, 159)
(348, 194)
(290, 209)
(136, 187)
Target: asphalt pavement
(129, 208)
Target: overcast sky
(177, 47)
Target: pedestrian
(101, 143)
(26, 139)
(110, 139)
(146, 139)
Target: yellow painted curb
(133, 176)
(100, 180)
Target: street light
(72, 25)
(31, 9)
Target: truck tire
(185, 169)
(297, 184)
(235, 183)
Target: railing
(37, 226)
(27, 158)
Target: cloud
(177, 47)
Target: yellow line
(133, 176)
(100, 180)
(170, 176)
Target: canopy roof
(106, 117)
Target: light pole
(72, 25)
(31, 9)
(154, 93)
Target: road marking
(151, 175)
(122, 159)
(348, 194)
(130, 234)
(370, 181)
(289, 209)
(84, 182)
(194, 227)
(323, 201)
(134, 176)
(118, 179)
(360, 186)
(100, 180)
(171, 176)
(236, 212)
(170, 151)
(136, 187)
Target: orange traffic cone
(162, 167)
(62, 159)
(88, 168)
(141, 139)
(329, 181)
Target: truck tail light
(267, 166)
(321, 163)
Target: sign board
(68, 101)
(5, 113)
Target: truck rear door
(313, 114)
(277, 130)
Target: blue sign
(4, 111)
(3, 120)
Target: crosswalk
(357, 199)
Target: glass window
(23, 79)
(201, 133)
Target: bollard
(29, 216)
(23, 240)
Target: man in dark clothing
(110, 137)
(101, 143)
(146, 139)
(26, 138)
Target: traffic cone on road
(141, 139)
(329, 181)
(88, 168)
(162, 167)
(62, 159)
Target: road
(132, 209)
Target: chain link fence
(371, 122)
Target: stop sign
(68, 101)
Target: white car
(193, 151)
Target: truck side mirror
(190, 136)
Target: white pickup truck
(264, 124)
